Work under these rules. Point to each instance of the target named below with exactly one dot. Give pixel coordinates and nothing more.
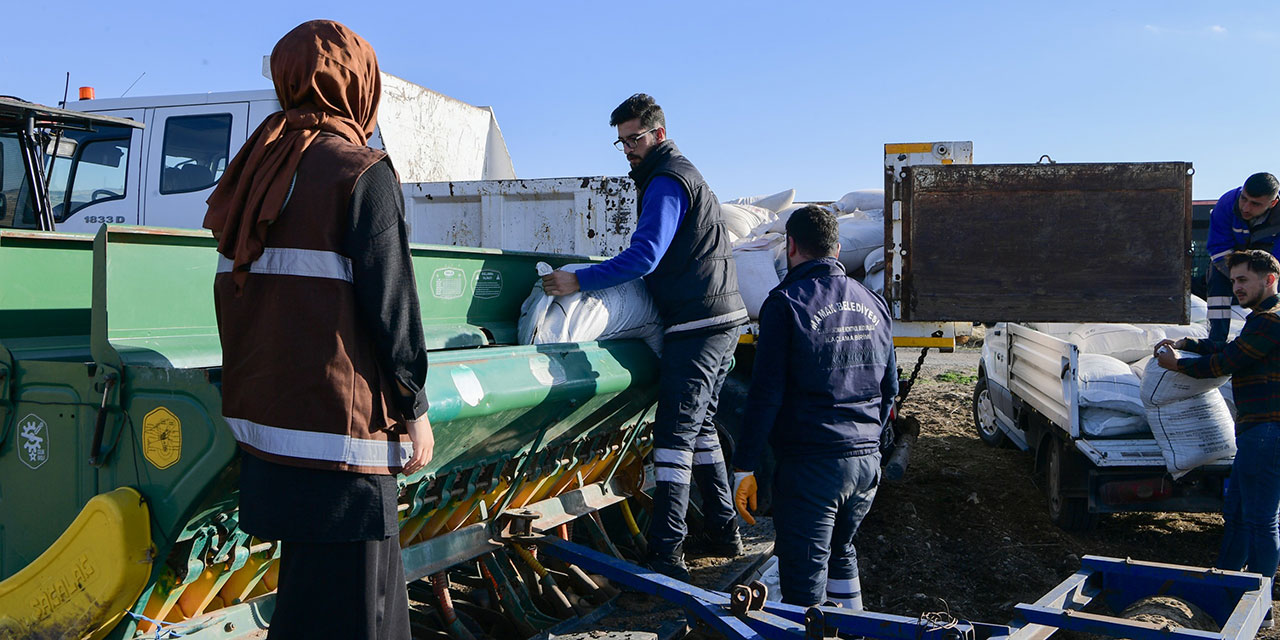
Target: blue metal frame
(1237, 601)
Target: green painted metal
(45, 292)
(134, 322)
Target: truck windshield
(16, 211)
(87, 167)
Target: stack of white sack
(1124, 342)
(1109, 396)
(624, 311)
(873, 265)
(1060, 330)
(1188, 417)
(866, 200)
(757, 225)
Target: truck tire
(1071, 513)
(1168, 611)
(984, 415)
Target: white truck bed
(1043, 372)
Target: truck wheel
(984, 415)
(1168, 611)
(1069, 513)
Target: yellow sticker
(162, 438)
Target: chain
(911, 381)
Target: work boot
(727, 545)
(671, 566)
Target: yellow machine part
(82, 585)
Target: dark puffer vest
(695, 285)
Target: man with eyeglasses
(681, 248)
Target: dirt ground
(967, 530)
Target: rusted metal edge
(470, 542)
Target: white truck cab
(162, 174)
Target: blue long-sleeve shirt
(1229, 232)
(661, 213)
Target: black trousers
(686, 447)
(347, 590)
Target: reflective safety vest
(301, 383)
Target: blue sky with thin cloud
(763, 96)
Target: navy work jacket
(824, 375)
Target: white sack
(1095, 421)
(1121, 341)
(1192, 432)
(1233, 331)
(1199, 310)
(1161, 386)
(774, 243)
(742, 218)
(1229, 396)
(1139, 368)
(776, 202)
(875, 282)
(1056, 329)
(616, 313)
(1158, 332)
(874, 260)
(756, 277)
(858, 238)
(780, 225)
(1180, 331)
(1107, 383)
(863, 199)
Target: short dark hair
(1258, 261)
(814, 230)
(639, 105)
(1261, 184)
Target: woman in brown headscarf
(324, 363)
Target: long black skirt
(340, 569)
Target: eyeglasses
(631, 141)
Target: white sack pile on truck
(757, 229)
(1123, 392)
(758, 225)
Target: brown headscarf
(327, 80)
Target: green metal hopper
(118, 475)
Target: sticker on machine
(488, 284)
(468, 385)
(448, 283)
(33, 441)
(161, 438)
(547, 370)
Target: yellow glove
(744, 494)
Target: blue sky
(762, 96)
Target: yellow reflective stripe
(907, 341)
(909, 147)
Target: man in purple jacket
(1244, 218)
(822, 387)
